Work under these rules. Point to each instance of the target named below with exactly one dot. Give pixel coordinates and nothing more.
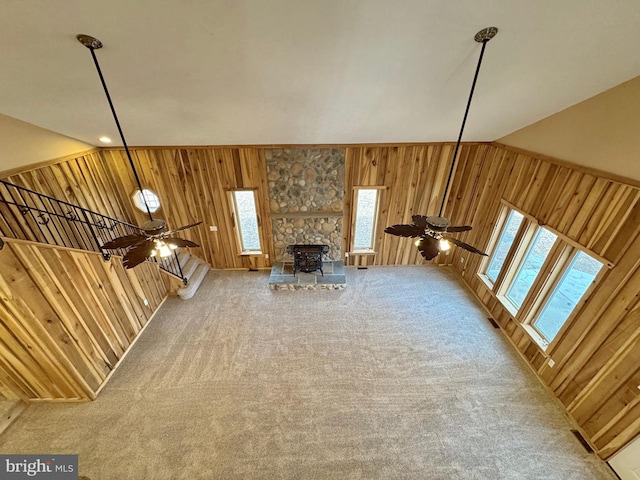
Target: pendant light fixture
(156, 241)
(432, 230)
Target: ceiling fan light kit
(156, 239)
(432, 231)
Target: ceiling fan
(155, 239)
(433, 235)
(432, 230)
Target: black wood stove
(307, 258)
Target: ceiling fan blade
(459, 228)
(125, 241)
(466, 246)
(138, 254)
(420, 221)
(404, 230)
(180, 242)
(184, 227)
(428, 247)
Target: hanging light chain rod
(92, 43)
(483, 36)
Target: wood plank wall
(597, 353)
(413, 177)
(87, 181)
(597, 367)
(83, 181)
(193, 184)
(67, 317)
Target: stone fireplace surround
(306, 187)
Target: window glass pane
(530, 266)
(504, 244)
(580, 274)
(247, 220)
(152, 200)
(367, 200)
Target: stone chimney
(306, 187)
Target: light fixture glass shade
(164, 250)
(444, 245)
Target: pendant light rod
(92, 44)
(483, 36)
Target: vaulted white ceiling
(290, 71)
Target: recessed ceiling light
(104, 139)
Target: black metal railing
(29, 215)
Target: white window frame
(374, 224)
(555, 266)
(235, 218)
(570, 255)
(515, 268)
(494, 243)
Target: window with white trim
(366, 214)
(507, 236)
(541, 290)
(530, 266)
(563, 299)
(246, 221)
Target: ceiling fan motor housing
(438, 224)
(154, 227)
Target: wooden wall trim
(46, 163)
(293, 145)
(574, 166)
(607, 263)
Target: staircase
(194, 270)
(33, 216)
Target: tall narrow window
(246, 220)
(565, 296)
(511, 226)
(530, 266)
(366, 203)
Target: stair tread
(194, 282)
(183, 258)
(190, 267)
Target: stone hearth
(282, 277)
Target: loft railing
(29, 215)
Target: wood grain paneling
(67, 318)
(597, 353)
(192, 183)
(597, 367)
(413, 176)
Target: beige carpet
(400, 376)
